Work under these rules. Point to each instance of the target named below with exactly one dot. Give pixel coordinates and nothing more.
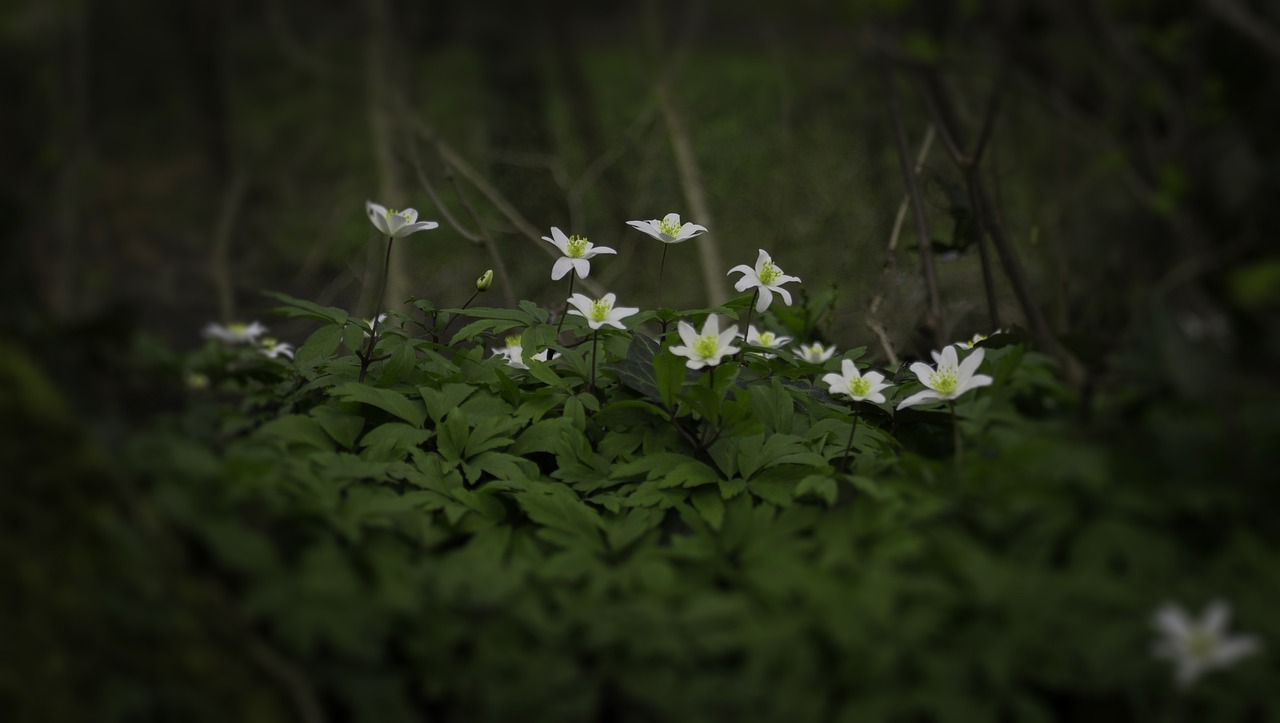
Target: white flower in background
(235, 333)
(857, 386)
(600, 312)
(815, 353)
(972, 342)
(369, 322)
(707, 348)
(951, 379)
(766, 277)
(271, 348)
(1197, 647)
(396, 224)
(196, 380)
(577, 250)
(669, 230)
(513, 352)
(766, 339)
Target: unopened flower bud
(484, 282)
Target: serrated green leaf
(389, 401)
(710, 505)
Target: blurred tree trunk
(516, 110)
(70, 112)
(379, 49)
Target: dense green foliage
(456, 539)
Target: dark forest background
(1100, 175)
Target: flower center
(766, 338)
(860, 387)
(670, 229)
(945, 380)
(237, 329)
(1201, 645)
(769, 273)
(513, 341)
(600, 310)
(269, 342)
(576, 247)
(706, 346)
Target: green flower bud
(485, 281)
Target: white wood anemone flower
(854, 384)
(815, 353)
(765, 277)
(577, 250)
(766, 339)
(708, 348)
(513, 352)
(396, 224)
(669, 230)
(951, 379)
(235, 333)
(1198, 647)
(600, 312)
(273, 348)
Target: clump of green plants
(607, 512)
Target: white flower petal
(687, 333)
(765, 298)
(919, 398)
(561, 267)
(378, 215)
(786, 295)
(923, 372)
(582, 266)
(971, 362)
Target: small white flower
(857, 386)
(669, 230)
(972, 342)
(815, 353)
(369, 322)
(235, 333)
(513, 352)
(396, 224)
(600, 312)
(707, 348)
(951, 379)
(576, 250)
(766, 339)
(1197, 647)
(271, 348)
(766, 277)
(196, 380)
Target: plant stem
(956, 440)
(367, 357)
(844, 460)
(565, 311)
(742, 355)
(595, 336)
(662, 266)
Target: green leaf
(396, 436)
(444, 400)
(541, 436)
(343, 427)
(708, 503)
(452, 436)
(558, 508)
(670, 372)
(300, 307)
(319, 346)
(387, 400)
(818, 486)
(545, 374)
(403, 360)
(296, 429)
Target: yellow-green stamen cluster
(576, 247)
(668, 228)
(945, 380)
(599, 310)
(706, 346)
(237, 329)
(769, 273)
(859, 387)
(513, 341)
(766, 338)
(1201, 645)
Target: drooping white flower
(766, 339)
(669, 230)
(396, 224)
(972, 342)
(577, 250)
(815, 353)
(766, 277)
(273, 348)
(951, 379)
(1197, 647)
(600, 312)
(235, 333)
(854, 384)
(513, 352)
(380, 319)
(707, 348)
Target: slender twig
(662, 267)
(934, 315)
(565, 312)
(367, 357)
(595, 337)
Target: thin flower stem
(367, 357)
(844, 460)
(711, 380)
(565, 312)
(742, 355)
(595, 336)
(662, 266)
(448, 326)
(956, 440)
